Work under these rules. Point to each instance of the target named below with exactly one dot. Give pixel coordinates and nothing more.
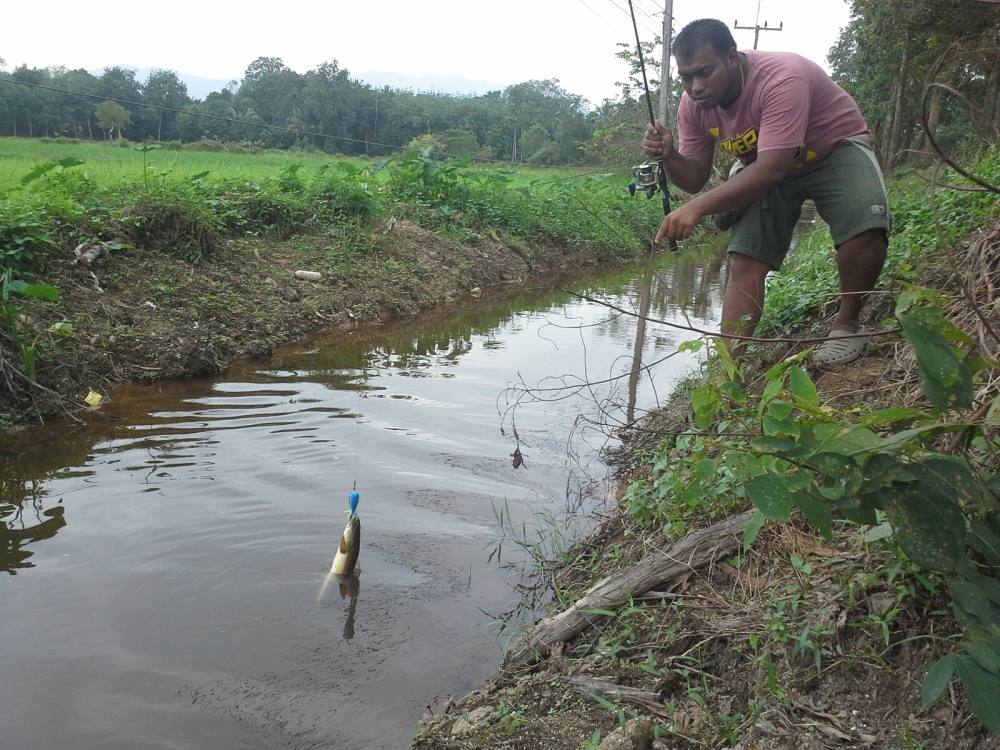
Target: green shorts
(849, 192)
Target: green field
(113, 163)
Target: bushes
(58, 206)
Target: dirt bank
(145, 315)
(798, 642)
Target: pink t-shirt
(787, 102)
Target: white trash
(308, 275)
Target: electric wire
(623, 10)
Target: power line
(629, 15)
(598, 15)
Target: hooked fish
(349, 549)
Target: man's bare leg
(743, 302)
(859, 261)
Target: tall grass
(185, 202)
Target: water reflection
(203, 513)
(349, 587)
(23, 524)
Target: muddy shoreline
(144, 315)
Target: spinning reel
(647, 178)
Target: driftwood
(693, 551)
(606, 687)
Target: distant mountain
(198, 87)
(442, 84)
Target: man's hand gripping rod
(661, 173)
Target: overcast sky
(499, 42)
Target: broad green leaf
(704, 470)
(929, 524)
(772, 389)
(779, 427)
(953, 475)
(773, 444)
(937, 679)
(831, 492)
(898, 439)
(858, 509)
(987, 658)
(885, 417)
(973, 605)
(983, 689)
(752, 529)
(818, 512)
(771, 494)
(847, 439)
(705, 402)
(38, 291)
(37, 172)
(734, 392)
(832, 464)
(780, 410)
(876, 533)
(802, 386)
(63, 328)
(986, 542)
(944, 378)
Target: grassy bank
(860, 606)
(212, 240)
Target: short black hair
(703, 31)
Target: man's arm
(750, 184)
(688, 173)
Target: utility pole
(668, 34)
(757, 28)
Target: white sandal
(841, 347)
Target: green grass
(55, 194)
(111, 163)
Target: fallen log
(606, 687)
(659, 569)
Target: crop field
(112, 163)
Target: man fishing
(798, 136)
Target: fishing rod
(650, 176)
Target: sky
(497, 42)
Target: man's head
(708, 63)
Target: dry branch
(660, 569)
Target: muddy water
(167, 561)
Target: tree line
(535, 121)
(882, 58)
(885, 54)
